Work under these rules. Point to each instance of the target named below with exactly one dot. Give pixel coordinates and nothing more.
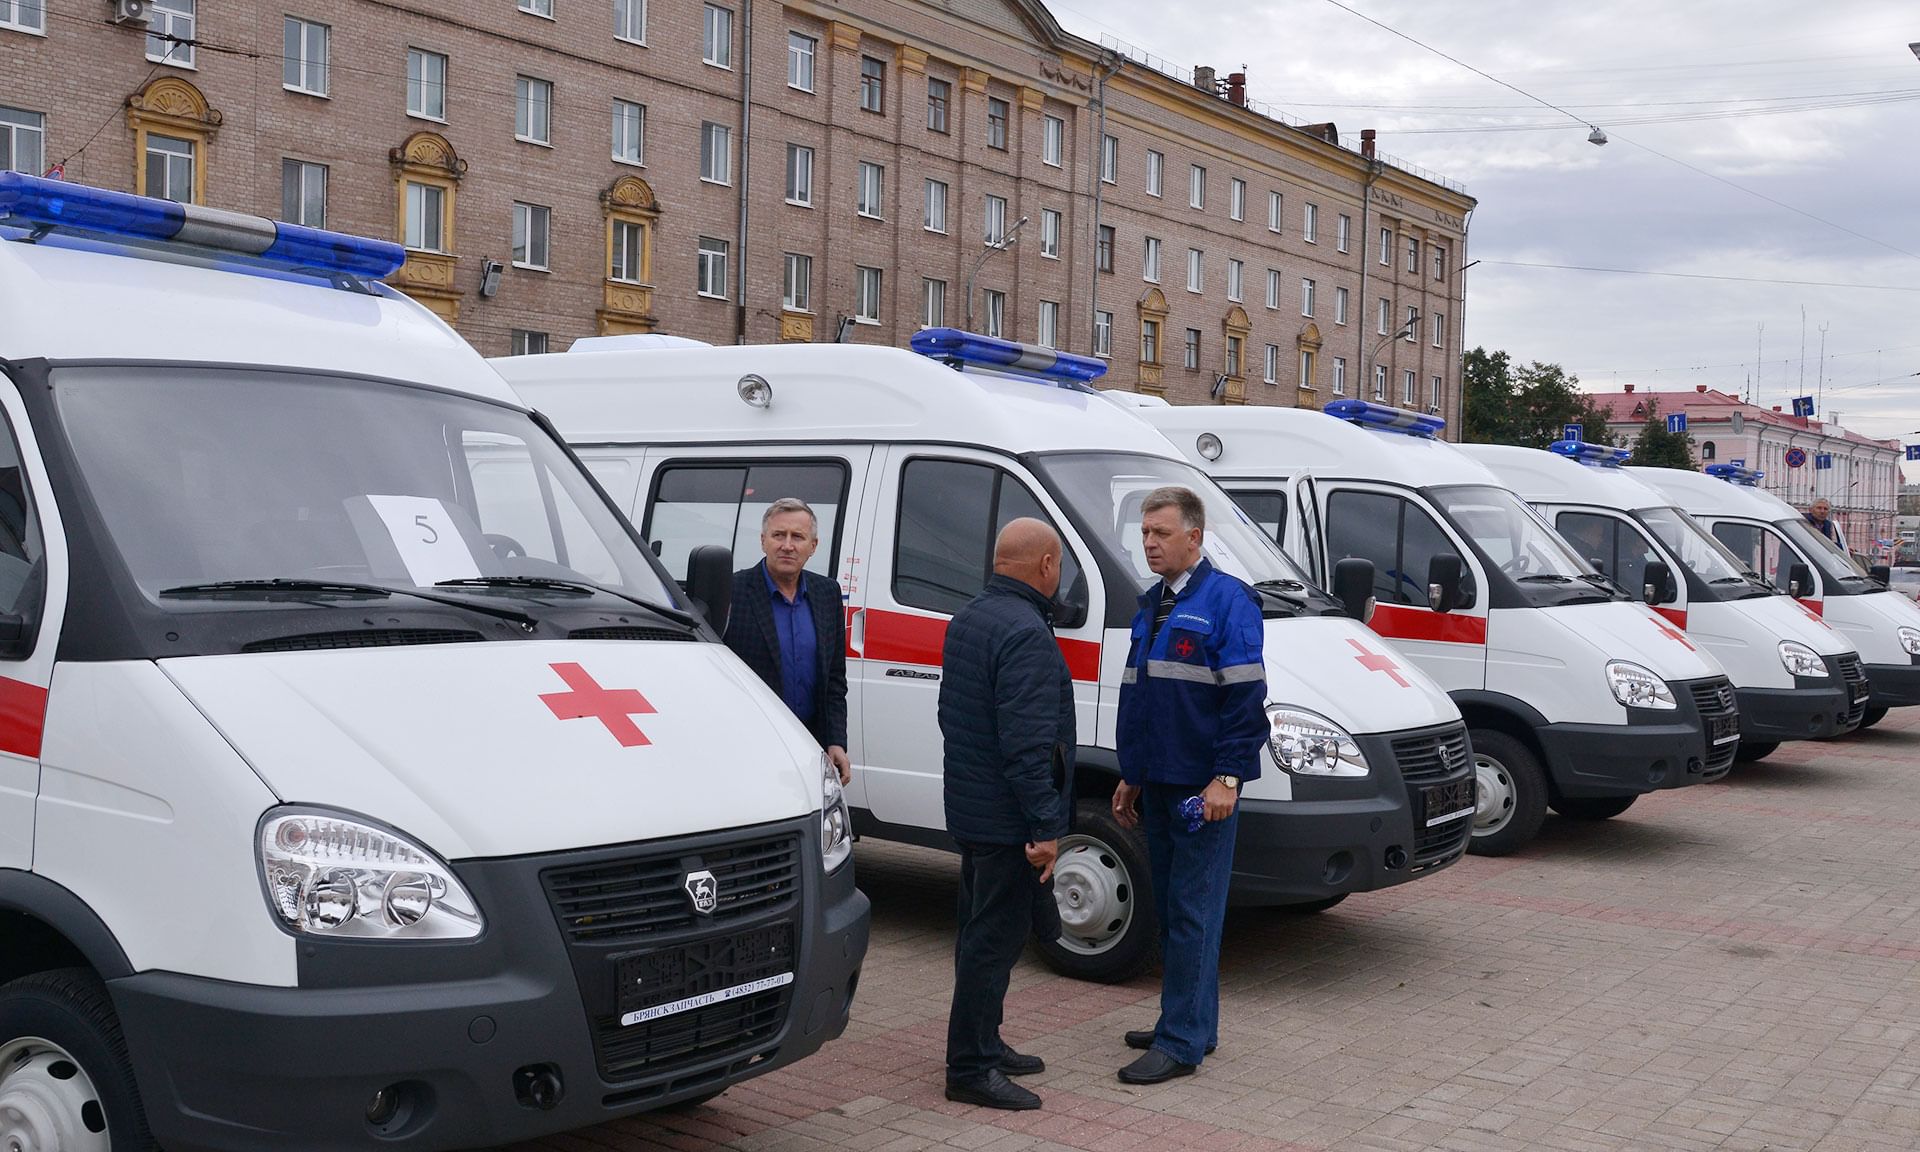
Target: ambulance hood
(1631, 631)
(464, 747)
(1870, 623)
(1785, 619)
(1352, 676)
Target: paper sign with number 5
(425, 536)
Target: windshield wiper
(1731, 579)
(577, 587)
(1604, 581)
(1544, 578)
(1280, 586)
(316, 588)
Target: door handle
(857, 633)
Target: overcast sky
(1847, 152)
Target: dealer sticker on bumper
(705, 999)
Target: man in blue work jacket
(1192, 718)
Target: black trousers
(1002, 902)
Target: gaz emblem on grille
(703, 891)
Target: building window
(303, 193)
(626, 260)
(1343, 232)
(1339, 305)
(1386, 313)
(800, 175)
(1707, 448)
(629, 132)
(1192, 357)
(1150, 260)
(1339, 375)
(1306, 297)
(1236, 277)
(716, 37)
(1380, 383)
(1049, 234)
(933, 301)
(1149, 341)
(873, 190)
(1273, 288)
(1103, 248)
(426, 217)
(1409, 389)
(1310, 223)
(716, 153)
(23, 15)
(710, 272)
(1156, 163)
(169, 31)
(1236, 199)
(1413, 254)
(796, 287)
(1306, 368)
(630, 20)
(23, 140)
(936, 215)
(530, 224)
(528, 343)
(426, 84)
(873, 85)
(1439, 262)
(1271, 368)
(866, 301)
(305, 66)
(1102, 333)
(1439, 329)
(1433, 398)
(939, 98)
(1276, 208)
(1047, 332)
(996, 312)
(800, 50)
(997, 123)
(996, 221)
(1194, 270)
(532, 110)
(1196, 186)
(1233, 356)
(1110, 159)
(170, 163)
(1412, 325)
(1386, 246)
(1053, 137)
(537, 7)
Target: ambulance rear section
(1576, 699)
(912, 468)
(363, 783)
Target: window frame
(930, 221)
(1103, 334)
(706, 262)
(1310, 222)
(13, 129)
(1156, 173)
(616, 251)
(525, 214)
(1190, 350)
(1343, 233)
(11, 24)
(939, 105)
(1051, 222)
(932, 291)
(301, 169)
(520, 342)
(1342, 301)
(802, 48)
(994, 219)
(873, 85)
(1276, 213)
(716, 150)
(1339, 376)
(1236, 280)
(174, 55)
(620, 107)
(1270, 364)
(1273, 288)
(1109, 159)
(1307, 289)
(305, 60)
(716, 43)
(633, 7)
(1150, 259)
(437, 219)
(999, 113)
(1053, 141)
(864, 274)
(871, 193)
(799, 192)
(1106, 238)
(423, 86)
(801, 301)
(1046, 328)
(190, 154)
(1196, 187)
(524, 89)
(1196, 270)
(1236, 198)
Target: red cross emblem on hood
(1183, 647)
(613, 707)
(1378, 662)
(1667, 630)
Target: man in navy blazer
(788, 625)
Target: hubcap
(1094, 893)
(47, 1103)
(1493, 796)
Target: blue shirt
(799, 647)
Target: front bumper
(462, 1029)
(1815, 712)
(1651, 751)
(1894, 685)
(1340, 836)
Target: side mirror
(1882, 573)
(1597, 564)
(1658, 586)
(710, 583)
(1353, 587)
(1443, 582)
(1070, 610)
(1799, 580)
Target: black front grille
(635, 898)
(365, 638)
(1431, 755)
(1425, 759)
(1715, 698)
(671, 1042)
(758, 962)
(1852, 673)
(628, 632)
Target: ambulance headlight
(836, 826)
(1801, 660)
(1308, 744)
(1635, 687)
(1910, 640)
(329, 874)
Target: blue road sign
(1572, 432)
(1796, 457)
(1823, 460)
(1803, 405)
(1913, 451)
(1676, 421)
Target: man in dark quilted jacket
(1006, 720)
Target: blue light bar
(42, 206)
(1592, 455)
(1735, 474)
(1384, 418)
(970, 349)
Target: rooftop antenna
(1759, 351)
(1821, 385)
(1803, 349)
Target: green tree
(1529, 406)
(1659, 448)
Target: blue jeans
(1191, 871)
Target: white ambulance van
(363, 782)
(1773, 540)
(1793, 677)
(912, 467)
(1576, 699)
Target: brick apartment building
(560, 168)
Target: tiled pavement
(1730, 966)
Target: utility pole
(1759, 350)
(1803, 350)
(1820, 386)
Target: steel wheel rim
(1095, 894)
(47, 1101)
(1494, 801)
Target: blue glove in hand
(1195, 810)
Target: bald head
(1029, 551)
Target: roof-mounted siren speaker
(131, 12)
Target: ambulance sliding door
(33, 585)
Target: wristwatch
(1232, 782)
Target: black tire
(1525, 788)
(1751, 750)
(1103, 862)
(1311, 907)
(1592, 807)
(1872, 716)
(69, 1007)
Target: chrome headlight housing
(331, 874)
(836, 825)
(1635, 687)
(1800, 660)
(1910, 640)
(1308, 744)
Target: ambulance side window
(950, 513)
(1400, 538)
(1757, 548)
(23, 570)
(1595, 538)
(1267, 510)
(706, 502)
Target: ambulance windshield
(211, 476)
(1725, 577)
(1511, 537)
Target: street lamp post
(1004, 243)
(1412, 325)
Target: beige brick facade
(100, 94)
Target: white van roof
(821, 392)
(1265, 442)
(1542, 477)
(1704, 495)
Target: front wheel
(1593, 807)
(1100, 882)
(1873, 716)
(65, 1080)
(1751, 750)
(1510, 793)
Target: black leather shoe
(994, 1090)
(1155, 1067)
(1020, 1064)
(1143, 1040)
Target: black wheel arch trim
(59, 909)
(1512, 706)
